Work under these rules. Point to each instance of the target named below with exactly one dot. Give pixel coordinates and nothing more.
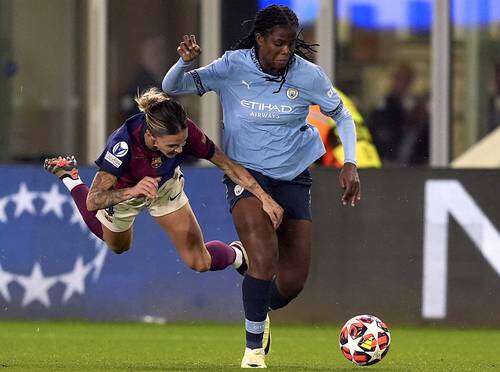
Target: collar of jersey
(255, 60)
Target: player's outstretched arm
(102, 195)
(188, 48)
(242, 177)
(177, 81)
(349, 178)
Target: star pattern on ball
(353, 344)
(365, 348)
(377, 354)
(372, 328)
(36, 285)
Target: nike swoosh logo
(175, 197)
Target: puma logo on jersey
(245, 83)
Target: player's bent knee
(201, 266)
(262, 267)
(119, 248)
(198, 264)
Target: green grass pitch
(74, 346)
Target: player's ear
(150, 134)
(259, 39)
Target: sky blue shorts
(294, 196)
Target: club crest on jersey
(156, 162)
(120, 149)
(238, 190)
(292, 93)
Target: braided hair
(264, 21)
(164, 116)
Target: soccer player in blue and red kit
(266, 85)
(139, 169)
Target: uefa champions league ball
(364, 340)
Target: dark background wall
(368, 259)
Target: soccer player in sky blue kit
(139, 169)
(266, 85)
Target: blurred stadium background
(422, 249)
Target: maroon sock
(222, 255)
(79, 195)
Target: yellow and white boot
(266, 337)
(254, 358)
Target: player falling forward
(139, 169)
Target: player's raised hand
(274, 211)
(147, 187)
(349, 181)
(188, 49)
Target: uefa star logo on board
(45, 219)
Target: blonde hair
(164, 116)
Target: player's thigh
(258, 237)
(184, 231)
(119, 242)
(294, 240)
(117, 222)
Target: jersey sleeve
(198, 144)
(177, 81)
(210, 77)
(330, 103)
(116, 156)
(325, 95)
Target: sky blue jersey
(263, 130)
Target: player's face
(276, 49)
(172, 144)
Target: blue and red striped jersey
(127, 157)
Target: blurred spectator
(494, 103)
(366, 153)
(149, 74)
(414, 147)
(400, 123)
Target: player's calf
(279, 298)
(65, 168)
